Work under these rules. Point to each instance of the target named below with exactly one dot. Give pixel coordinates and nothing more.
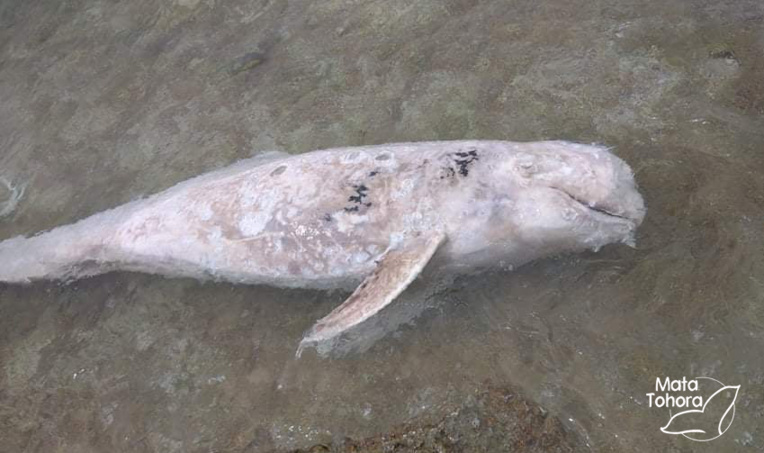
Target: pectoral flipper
(395, 271)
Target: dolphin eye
(569, 214)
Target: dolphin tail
(63, 253)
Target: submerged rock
(495, 419)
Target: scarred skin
(325, 219)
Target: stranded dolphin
(370, 216)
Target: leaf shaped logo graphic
(702, 424)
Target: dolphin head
(544, 198)
(572, 196)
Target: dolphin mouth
(597, 210)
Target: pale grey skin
(332, 218)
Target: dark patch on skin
(360, 198)
(360, 193)
(462, 161)
(383, 157)
(328, 217)
(373, 173)
(466, 158)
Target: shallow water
(104, 102)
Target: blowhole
(279, 170)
